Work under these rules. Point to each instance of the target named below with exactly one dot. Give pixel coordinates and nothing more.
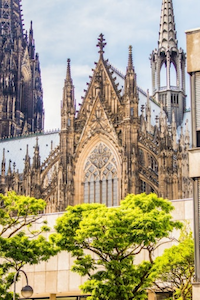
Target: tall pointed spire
(27, 161)
(36, 157)
(130, 59)
(130, 78)
(3, 164)
(68, 76)
(167, 33)
(148, 113)
(171, 90)
(69, 88)
(31, 43)
(68, 103)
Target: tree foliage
(19, 243)
(176, 266)
(106, 242)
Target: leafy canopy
(176, 266)
(19, 243)
(115, 237)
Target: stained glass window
(100, 177)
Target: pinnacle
(167, 33)
(68, 77)
(130, 59)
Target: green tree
(115, 237)
(19, 243)
(176, 266)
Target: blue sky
(70, 28)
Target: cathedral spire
(68, 76)
(130, 59)
(27, 161)
(167, 33)
(148, 113)
(31, 43)
(169, 60)
(3, 164)
(68, 103)
(31, 31)
(36, 157)
(130, 78)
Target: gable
(104, 84)
(97, 122)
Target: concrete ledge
(195, 290)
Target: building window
(198, 138)
(100, 177)
(143, 186)
(131, 111)
(141, 157)
(153, 164)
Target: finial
(3, 153)
(148, 102)
(101, 43)
(130, 58)
(27, 149)
(68, 77)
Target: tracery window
(143, 186)
(154, 165)
(141, 157)
(100, 177)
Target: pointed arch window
(100, 177)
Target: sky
(69, 29)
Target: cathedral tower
(21, 97)
(168, 67)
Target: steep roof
(15, 148)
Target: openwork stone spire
(167, 33)
(170, 92)
(101, 44)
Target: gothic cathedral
(21, 99)
(121, 141)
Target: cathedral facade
(121, 140)
(21, 96)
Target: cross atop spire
(167, 33)
(101, 43)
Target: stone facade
(21, 96)
(121, 140)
